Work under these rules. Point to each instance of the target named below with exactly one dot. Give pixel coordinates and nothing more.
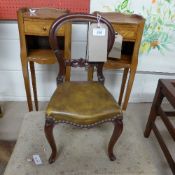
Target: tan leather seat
(82, 103)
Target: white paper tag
(97, 43)
(37, 159)
(99, 31)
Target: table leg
(125, 75)
(68, 70)
(33, 77)
(90, 72)
(25, 72)
(129, 87)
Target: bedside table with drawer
(34, 25)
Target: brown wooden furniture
(83, 104)
(165, 89)
(34, 30)
(131, 28)
(0, 112)
(36, 27)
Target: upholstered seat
(82, 103)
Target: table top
(53, 13)
(44, 13)
(122, 18)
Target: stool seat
(82, 103)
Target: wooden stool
(165, 88)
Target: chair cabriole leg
(48, 129)
(118, 128)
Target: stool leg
(118, 128)
(154, 110)
(49, 125)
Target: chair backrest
(54, 43)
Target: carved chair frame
(50, 122)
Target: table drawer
(129, 32)
(40, 27)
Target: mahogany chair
(83, 104)
(165, 89)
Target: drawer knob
(44, 28)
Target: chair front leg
(48, 129)
(118, 128)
